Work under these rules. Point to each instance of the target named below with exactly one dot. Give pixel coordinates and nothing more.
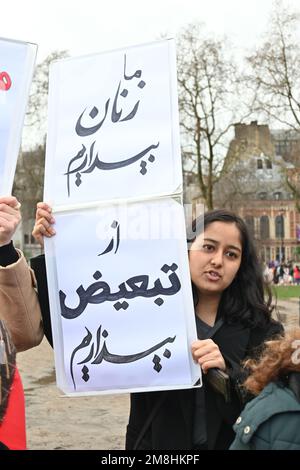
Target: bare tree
(293, 184)
(29, 177)
(276, 69)
(36, 115)
(28, 187)
(276, 81)
(207, 80)
(28, 182)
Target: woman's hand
(43, 223)
(207, 353)
(10, 218)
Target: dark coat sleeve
(8, 255)
(39, 267)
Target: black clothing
(199, 427)
(173, 423)
(39, 267)
(8, 255)
(203, 328)
(3, 446)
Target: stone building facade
(254, 185)
(269, 209)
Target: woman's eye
(232, 254)
(208, 247)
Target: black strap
(215, 328)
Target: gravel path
(58, 422)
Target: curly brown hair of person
(278, 359)
(7, 367)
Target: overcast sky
(87, 26)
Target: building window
(259, 164)
(268, 164)
(263, 195)
(277, 253)
(278, 195)
(250, 224)
(264, 227)
(282, 147)
(279, 226)
(26, 238)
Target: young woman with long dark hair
(232, 319)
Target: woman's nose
(217, 259)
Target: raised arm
(43, 228)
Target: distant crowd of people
(282, 273)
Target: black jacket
(171, 426)
(164, 420)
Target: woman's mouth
(213, 275)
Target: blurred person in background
(271, 421)
(20, 325)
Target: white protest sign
(122, 291)
(113, 126)
(16, 69)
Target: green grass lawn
(286, 292)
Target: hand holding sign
(10, 218)
(43, 223)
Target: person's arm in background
(19, 306)
(43, 228)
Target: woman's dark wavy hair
(243, 300)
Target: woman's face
(215, 257)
